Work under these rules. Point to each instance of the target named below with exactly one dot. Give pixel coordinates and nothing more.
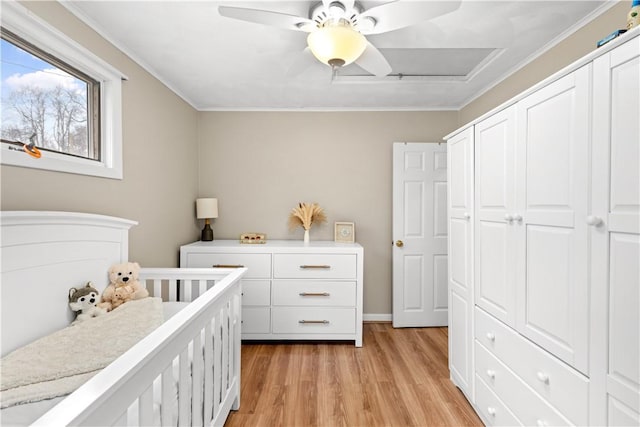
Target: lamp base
(207, 233)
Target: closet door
(550, 217)
(460, 178)
(495, 204)
(615, 237)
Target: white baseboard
(377, 317)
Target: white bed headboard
(43, 255)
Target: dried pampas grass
(306, 214)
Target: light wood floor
(398, 378)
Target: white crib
(186, 372)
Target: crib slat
(237, 316)
(157, 288)
(184, 395)
(145, 408)
(196, 374)
(173, 290)
(167, 406)
(225, 349)
(217, 362)
(208, 374)
(202, 285)
(187, 285)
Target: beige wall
(564, 53)
(259, 165)
(160, 158)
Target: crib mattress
(23, 415)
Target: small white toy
(84, 302)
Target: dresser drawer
(313, 320)
(314, 293)
(314, 266)
(525, 404)
(256, 292)
(562, 386)
(494, 412)
(259, 265)
(256, 320)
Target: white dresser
(292, 290)
(544, 249)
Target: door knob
(594, 220)
(399, 243)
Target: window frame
(26, 25)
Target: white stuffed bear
(123, 275)
(83, 301)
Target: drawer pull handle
(491, 336)
(492, 411)
(322, 267)
(227, 266)
(543, 377)
(305, 322)
(314, 294)
(491, 373)
(541, 423)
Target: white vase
(306, 236)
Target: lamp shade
(336, 45)
(206, 208)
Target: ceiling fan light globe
(333, 43)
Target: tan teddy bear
(121, 295)
(120, 276)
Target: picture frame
(344, 232)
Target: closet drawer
(256, 292)
(525, 404)
(256, 320)
(314, 266)
(562, 386)
(313, 320)
(494, 412)
(259, 265)
(314, 293)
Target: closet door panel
(624, 317)
(625, 148)
(495, 203)
(624, 223)
(548, 273)
(551, 206)
(460, 294)
(615, 239)
(494, 279)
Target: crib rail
(186, 372)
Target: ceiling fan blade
(266, 17)
(303, 61)
(373, 61)
(400, 14)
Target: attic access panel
(457, 63)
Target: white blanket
(59, 363)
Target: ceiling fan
(337, 28)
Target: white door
(460, 173)
(419, 234)
(495, 268)
(614, 228)
(551, 205)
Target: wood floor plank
(400, 377)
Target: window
(59, 97)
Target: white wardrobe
(544, 249)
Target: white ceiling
(217, 63)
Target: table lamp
(207, 209)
